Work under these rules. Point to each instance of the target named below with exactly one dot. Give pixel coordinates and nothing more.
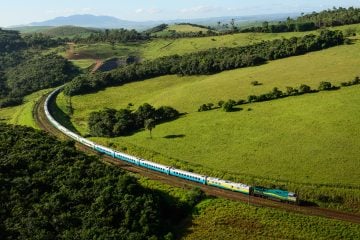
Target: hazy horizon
(142, 10)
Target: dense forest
(327, 18)
(49, 190)
(113, 123)
(113, 36)
(207, 62)
(24, 68)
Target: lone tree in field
(149, 125)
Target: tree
(304, 88)
(229, 105)
(324, 86)
(149, 125)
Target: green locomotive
(275, 194)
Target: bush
(304, 89)
(325, 86)
(241, 101)
(255, 83)
(229, 105)
(221, 103)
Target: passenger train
(274, 194)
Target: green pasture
(188, 93)
(164, 47)
(103, 50)
(222, 219)
(22, 114)
(307, 139)
(215, 218)
(308, 143)
(185, 28)
(83, 63)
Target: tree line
(113, 36)
(113, 123)
(206, 62)
(49, 190)
(276, 93)
(25, 69)
(307, 22)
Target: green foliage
(350, 83)
(40, 72)
(325, 86)
(229, 105)
(111, 123)
(304, 89)
(206, 107)
(50, 190)
(25, 69)
(327, 18)
(113, 36)
(149, 124)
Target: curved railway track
(44, 124)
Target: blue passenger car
(188, 175)
(155, 166)
(104, 150)
(126, 158)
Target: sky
(17, 12)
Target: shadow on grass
(307, 203)
(61, 117)
(175, 136)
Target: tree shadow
(175, 136)
(236, 109)
(308, 203)
(61, 116)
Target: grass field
(164, 47)
(288, 142)
(221, 219)
(22, 114)
(185, 28)
(83, 63)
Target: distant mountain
(92, 21)
(88, 20)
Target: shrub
(221, 103)
(229, 105)
(325, 86)
(241, 101)
(255, 83)
(304, 89)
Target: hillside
(164, 47)
(180, 29)
(69, 31)
(250, 134)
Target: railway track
(44, 124)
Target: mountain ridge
(102, 21)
